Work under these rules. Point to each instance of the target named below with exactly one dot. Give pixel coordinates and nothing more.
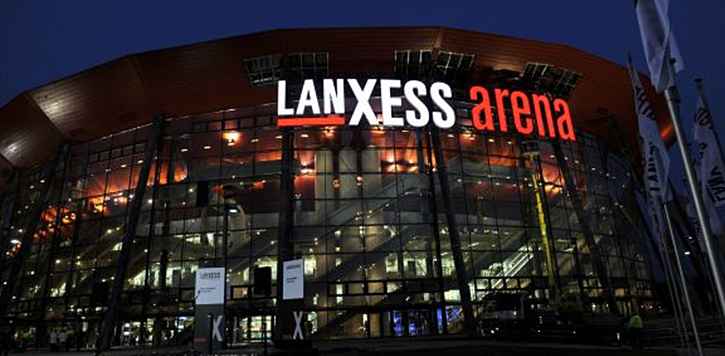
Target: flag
(715, 224)
(709, 164)
(709, 159)
(654, 151)
(692, 217)
(659, 225)
(658, 41)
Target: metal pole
(674, 297)
(673, 105)
(701, 90)
(211, 333)
(541, 215)
(283, 310)
(683, 282)
(264, 335)
(225, 242)
(665, 269)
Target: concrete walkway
(413, 346)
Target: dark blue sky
(41, 41)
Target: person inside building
(63, 340)
(53, 340)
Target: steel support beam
(458, 262)
(433, 217)
(6, 216)
(129, 232)
(283, 311)
(584, 218)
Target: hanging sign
(210, 286)
(293, 280)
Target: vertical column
(6, 214)
(543, 225)
(435, 228)
(285, 322)
(462, 276)
(129, 232)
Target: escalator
(513, 264)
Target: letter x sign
(216, 331)
(298, 335)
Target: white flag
(659, 225)
(692, 217)
(654, 151)
(659, 43)
(709, 159)
(715, 224)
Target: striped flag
(654, 151)
(659, 43)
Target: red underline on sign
(311, 121)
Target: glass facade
(369, 222)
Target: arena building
(403, 225)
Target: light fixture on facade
(231, 137)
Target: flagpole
(674, 295)
(672, 98)
(681, 274)
(701, 90)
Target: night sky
(41, 41)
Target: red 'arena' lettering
(520, 105)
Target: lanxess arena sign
(531, 113)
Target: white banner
(210, 286)
(658, 41)
(654, 151)
(293, 276)
(659, 224)
(715, 224)
(709, 159)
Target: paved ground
(420, 347)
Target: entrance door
(250, 329)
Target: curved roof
(209, 76)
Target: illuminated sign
(210, 286)
(530, 113)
